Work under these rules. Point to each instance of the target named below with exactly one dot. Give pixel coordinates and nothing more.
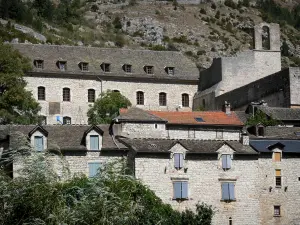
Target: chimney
(227, 108)
(245, 138)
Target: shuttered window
(228, 191)
(226, 162)
(39, 143)
(93, 168)
(178, 160)
(277, 156)
(94, 142)
(180, 190)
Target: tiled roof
(281, 113)
(185, 69)
(193, 146)
(209, 118)
(279, 133)
(134, 114)
(67, 137)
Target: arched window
(41, 93)
(140, 98)
(162, 99)
(66, 95)
(67, 120)
(185, 100)
(91, 95)
(265, 36)
(116, 91)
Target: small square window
(84, 66)
(149, 69)
(105, 67)
(127, 68)
(170, 70)
(39, 64)
(277, 210)
(278, 178)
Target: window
(265, 38)
(66, 95)
(127, 68)
(185, 100)
(261, 131)
(105, 67)
(39, 143)
(67, 120)
(178, 160)
(39, 64)
(277, 156)
(94, 142)
(91, 95)
(278, 178)
(219, 134)
(43, 120)
(226, 162)
(93, 168)
(199, 119)
(116, 91)
(62, 65)
(149, 69)
(41, 93)
(170, 70)
(228, 191)
(140, 98)
(84, 66)
(162, 99)
(230, 221)
(191, 133)
(277, 210)
(180, 190)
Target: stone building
(65, 80)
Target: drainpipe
(98, 77)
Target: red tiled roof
(213, 117)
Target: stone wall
(287, 196)
(79, 105)
(204, 175)
(294, 86)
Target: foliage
(106, 107)
(285, 49)
(16, 104)
(230, 3)
(274, 12)
(261, 118)
(158, 48)
(39, 196)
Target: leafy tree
(106, 107)
(38, 196)
(262, 118)
(285, 49)
(16, 104)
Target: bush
(230, 3)
(202, 11)
(158, 48)
(217, 16)
(117, 23)
(213, 6)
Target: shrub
(158, 48)
(230, 3)
(202, 11)
(117, 23)
(201, 52)
(94, 8)
(213, 6)
(217, 16)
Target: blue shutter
(94, 142)
(228, 161)
(93, 168)
(231, 191)
(184, 189)
(224, 162)
(177, 190)
(176, 160)
(225, 191)
(180, 160)
(38, 143)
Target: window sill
(227, 201)
(180, 199)
(277, 215)
(278, 186)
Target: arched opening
(67, 120)
(230, 221)
(265, 36)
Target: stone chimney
(227, 107)
(245, 138)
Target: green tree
(106, 107)
(261, 118)
(16, 104)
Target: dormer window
(226, 162)
(105, 67)
(62, 65)
(127, 68)
(178, 160)
(84, 66)
(39, 64)
(94, 142)
(93, 138)
(149, 69)
(38, 138)
(261, 131)
(170, 70)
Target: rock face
(143, 29)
